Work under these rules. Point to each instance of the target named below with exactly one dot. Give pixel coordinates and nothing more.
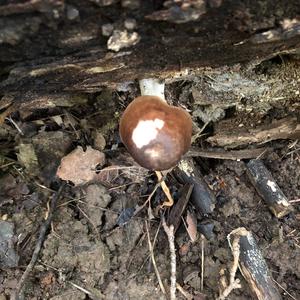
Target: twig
(236, 255)
(153, 261)
(253, 266)
(15, 124)
(187, 295)
(228, 154)
(235, 285)
(138, 209)
(284, 290)
(169, 230)
(39, 244)
(92, 292)
(202, 263)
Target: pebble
(107, 29)
(130, 24)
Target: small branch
(267, 188)
(39, 244)
(169, 230)
(202, 196)
(253, 266)
(153, 260)
(187, 295)
(178, 209)
(235, 248)
(228, 154)
(232, 286)
(233, 283)
(202, 263)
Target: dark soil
(94, 248)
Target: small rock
(99, 140)
(50, 147)
(107, 29)
(28, 158)
(191, 276)
(130, 24)
(72, 13)
(231, 208)
(96, 198)
(206, 229)
(122, 39)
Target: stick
(202, 197)
(153, 260)
(286, 128)
(233, 283)
(39, 244)
(231, 154)
(187, 295)
(253, 266)
(202, 263)
(268, 189)
(169, 230)
(178, 209)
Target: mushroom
(155, 133)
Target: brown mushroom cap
(155, 133)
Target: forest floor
(97, 243)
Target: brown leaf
(108, 175)
(79, 166)
(191, 223)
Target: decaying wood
(73, 57)
(253, 266)
(286, 128)
(230, 154)
(268, 189)
(30, 6)
(202, 197)
(94, 69)
(178, 209)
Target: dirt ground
(96, 247)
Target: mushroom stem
(152, 87)
(156, 87)
(165, 189)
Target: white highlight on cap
(146, 131)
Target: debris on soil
(268, 189)
(8, 255)
(122, 39)
(80, 166)
(73, 251)
(233, 65)
(96, 200)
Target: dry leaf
(79, 166)
(108, 175)
(191, 222)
